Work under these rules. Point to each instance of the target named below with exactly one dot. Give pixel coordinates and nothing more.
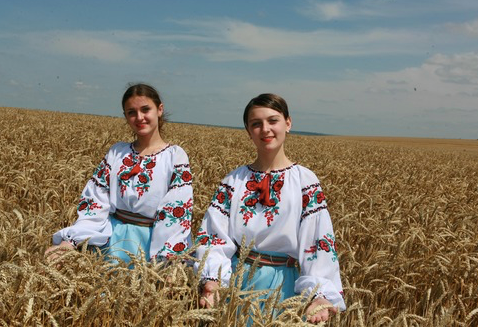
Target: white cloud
(467, 28)
(387, 103)
(249, 42)
(338, 10)
(83, 86)
(97, 45)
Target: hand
(321, 315)
(55, 251)
(208, 293)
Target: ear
(288, 123)
(160, 110)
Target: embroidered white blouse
(156, 186)
(294, 221)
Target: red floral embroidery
(305, 200)
(278, 185)
(150, 165)
(143, 179)
(161, 215)
(187, 176)
(178, 212)
(173, 177)
(320, 197)
(124, 177)
(82, 206)
(324, 245)
(178, 247)
(221, 197)
(128, 162)
(251, 202)
(251, 185)
(204, 239)
(89, 205)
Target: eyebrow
(268, 117)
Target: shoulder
(239, 173)
(119, 148)
(235, 177)
(175, 149)
(307, 176)
(176, 153)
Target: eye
(256, 124)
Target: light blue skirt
(127, 238)
(269, 278)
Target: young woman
(281, 207)
(140, 195)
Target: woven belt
(133, 218)
(269, 260)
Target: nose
(265, 127)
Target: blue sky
(372, 67)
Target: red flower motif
(83, 205)
(251, 185)
(204, 240)
(324, 245)
(161, 215)
(178, 247)
(186, 176)
(143, 179)
(178, 212)
(100, 173)
(305, 200)
(251, 202)
(173, 177)
(124, 177)
(277, 186)
(128, 162)
(221, 197)
(150, 165)
(320, 197)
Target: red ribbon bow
(263, 187)
(135, 171)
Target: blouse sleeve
(93, 211)
(213, 235)
(317, 250)
(172, 228)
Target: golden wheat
(405, 213)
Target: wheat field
(405, 214)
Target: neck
(271, 161)
(148, 144)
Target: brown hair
(147, 91)
(267, 100)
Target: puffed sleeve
(93, 211)
(317, 250)
(172, 228)
(213, 235)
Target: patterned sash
(268, 260)
(128, 217)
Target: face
(142, 115)
(267, 128)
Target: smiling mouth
(267, 139)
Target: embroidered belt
(269, 260)
(128, 217)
